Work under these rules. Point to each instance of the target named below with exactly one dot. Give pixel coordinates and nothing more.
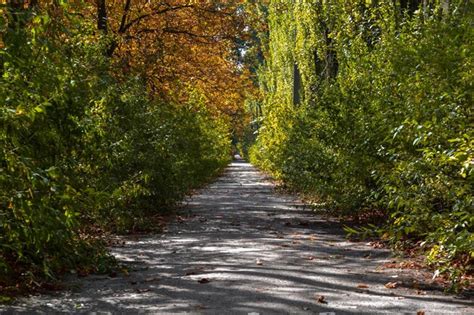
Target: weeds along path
(237, 248)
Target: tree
(175, 44)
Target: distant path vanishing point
(238, 247)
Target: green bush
(385, 117)
(82, 148)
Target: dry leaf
(391, 285)
(420, 313)
(199, 307)
(362, 286)
(151, 279)
(142, 290)
(321, 299)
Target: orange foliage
(176, 44)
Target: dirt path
(240, 248)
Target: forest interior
(117, 111)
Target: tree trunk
(296, 85)
(102, 16)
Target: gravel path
(240, 248)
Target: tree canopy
(114, 110)
(367, 107)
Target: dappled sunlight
(254, 254)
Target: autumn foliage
(111, 112)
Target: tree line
(366, 107)
(111, 112)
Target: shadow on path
(240, 248)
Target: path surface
(255, 252)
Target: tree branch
(124, 16)
(157, 12)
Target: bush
(82, 147)
(384, 119)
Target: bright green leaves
(391, 132)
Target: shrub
(384, 118)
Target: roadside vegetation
(112, 111)
(366, 107)
(99, 131)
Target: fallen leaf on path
(151, 279)
(420, 313)
(402, 265)
(260, 290)
(377, 244)
(321, 299)
(142, 290)
(362, 286)
(391, 285)
(199, 307)
(203, 280)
